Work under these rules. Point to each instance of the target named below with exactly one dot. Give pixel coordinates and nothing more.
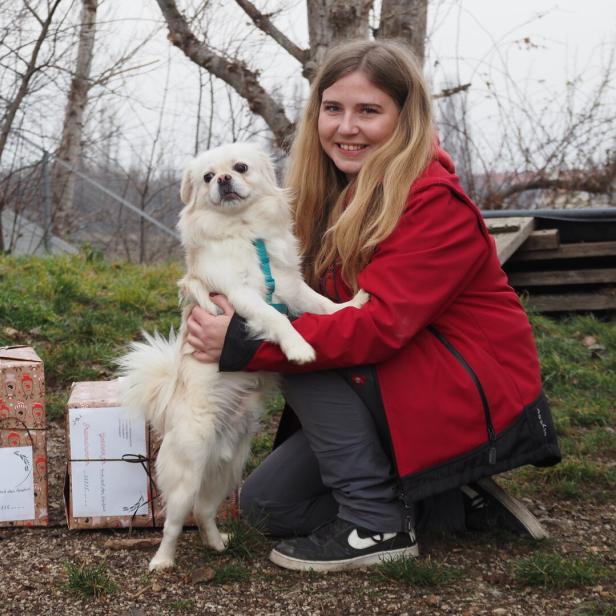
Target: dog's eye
(240, 167)
(208, 177)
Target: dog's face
(228, 178)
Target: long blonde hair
(335, 219)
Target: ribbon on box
(4, 420)
(133, 458)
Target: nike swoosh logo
(363, 543)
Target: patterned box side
(22, 386)
(37, 439)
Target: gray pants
(334, 466)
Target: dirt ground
(33, 571)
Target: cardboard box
(111, 477)
(23, 451)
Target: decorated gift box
(111, 477)
(23, 454)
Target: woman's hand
(206, 332)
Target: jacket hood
(445, 160)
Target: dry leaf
(596, 350)
(131, 543)
(203, 574)
(140, 592)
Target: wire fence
(128, 215)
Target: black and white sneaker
(342, 545)
(489, 507)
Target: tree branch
(446, 92)
(31, 69)
(234, 72)
(599, 181)
(264, 23)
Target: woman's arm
(415, 274)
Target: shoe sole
(522, 514)
(297, 564)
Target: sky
(526, 50)
(537, 41)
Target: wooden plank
(542, 239)
(509, 234)
(497, 226)
(556, 277)
(569, 251)
(571, 302)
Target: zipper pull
(409, 526)
(492, 455)
(409, 513)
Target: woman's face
(355, 118)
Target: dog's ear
(267, 168)
(187, 187)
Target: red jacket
(455, 359)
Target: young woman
(415, 400)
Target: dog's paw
(299, 352)
(360, 298)
(219, 543)
(159, 563)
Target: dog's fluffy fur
(207, 418)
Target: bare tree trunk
(406, 20)
(26, 78)
(331, 22)
(63, 180)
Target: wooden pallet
(572, 302)
(509, 234)
(567, 251)
(559, 277)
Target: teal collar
(270, 283)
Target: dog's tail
(148, 376)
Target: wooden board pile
(556, 275)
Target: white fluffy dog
(206, 417)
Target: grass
(245, 541)
(599, 442)
(575, 477)
(232, 572)
(78, 313)
(182, 605)
(579, 382)
(581, 387)
(421, 572)
(595, 608)
(557, 572)
(88, 581)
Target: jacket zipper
(477, 382)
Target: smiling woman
(415, 400)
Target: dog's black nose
(224, 179)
